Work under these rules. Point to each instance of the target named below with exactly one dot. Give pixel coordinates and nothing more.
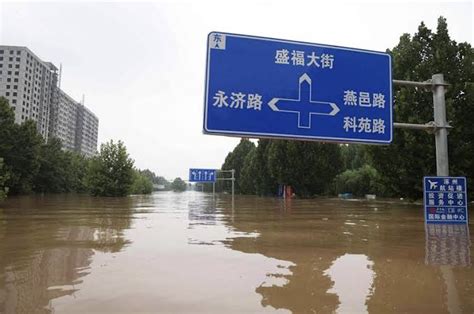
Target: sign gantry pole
(441, 136)
(439, 126)
(233, 184)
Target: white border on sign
(206, 130)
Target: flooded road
(188, 253)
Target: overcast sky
(141, 65)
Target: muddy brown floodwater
(188, 253)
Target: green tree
(76, 172)
(149, 174)
(361, 181)
(412, 153)
(178, 185)
(23, 159)
(111, 172)
(235, 160)
(309, 167)
(52, 176)
(3, 178)
(265, 184)
(19, 148)
(354, 156)
(248, 184)
(7, 124)
(142, 184)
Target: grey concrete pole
(441, 136)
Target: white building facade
(31, 87)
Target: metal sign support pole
(213, 189)
(441, 137)
(439, 126)
(233, 183)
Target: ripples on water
(190, 252)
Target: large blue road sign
(445, 200)
(202, 175)
(263, 87)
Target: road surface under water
(188, 253)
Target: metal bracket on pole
(426, 84)
(430, 127)
(439, 127)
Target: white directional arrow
(199, 175)
(304, 106)
(194, 175)
(205, 175)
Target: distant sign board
(202, 175)
(264, 87)
(445, 200)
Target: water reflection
(349, 256)
(353, 276)
(48, 243)
(448, 245)
(178, 252)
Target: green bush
(178, 185)
(111, 172)
(141, 184)
(361, 181)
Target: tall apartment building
(63, 119)
(31, 87)
(28, 83)
(87, 125)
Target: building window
(8, 86)
(1, 58)
(7, 94)
(15, 94)
(17, 66)
(11, 52)
(9, 73)
(1, 52)
(18, 52)
(9, 79)
(17, 73)
(17, 59)
(10, 59)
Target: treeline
(389, 170)
(28, 164)
(311, 168)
